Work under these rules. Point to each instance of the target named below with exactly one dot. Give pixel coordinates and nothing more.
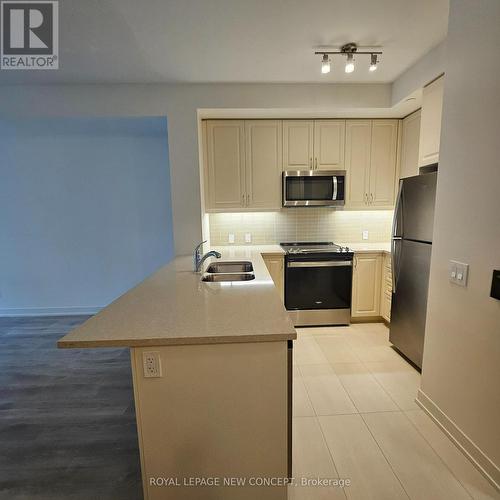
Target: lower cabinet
(366, 279)
(275, 266)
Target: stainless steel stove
(318, 283)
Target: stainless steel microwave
(314, 188)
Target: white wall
(461, 367)
(180, 103)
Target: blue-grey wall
(85, 210)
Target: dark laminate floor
(67, 422)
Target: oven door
(322, 283)
(313, 188)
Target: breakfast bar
(211, 366)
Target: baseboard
(367, 319)
(482, 462)
(49, 311)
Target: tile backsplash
(301, 224)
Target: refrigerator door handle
(393, 262)
(395, 227)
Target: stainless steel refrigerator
(411, 259)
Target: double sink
(229, 271)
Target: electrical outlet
(152, 364)
(365, 234)
(230, 238)
(248, 237)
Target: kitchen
(243, 267)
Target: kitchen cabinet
(329, 144)
(243, 164)
(313, 144)
(275, 266)
(410, 136)
(298, 144)
(366, 281)
(430, 122)
(386, 289)
(263, 148)
(226, 164)
(370, 163)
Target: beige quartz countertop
(173, 307)
(368, 247)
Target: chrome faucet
(199, 259)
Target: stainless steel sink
(243, 266)
(228, 277)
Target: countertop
(276, 249)
(173, 307)
(368, 247)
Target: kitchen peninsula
(221, 407)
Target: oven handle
(334, 197)
(324, 263)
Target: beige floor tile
(301, 405)
(421, 472)
(337, 349)
(362, 387)
(325, 391)
(357, 457)
(311, 459)
(472, 480)
(375, 353)
(307, 351)
(399, 379)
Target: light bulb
(374, 62)
(325, 64)
(349, 65)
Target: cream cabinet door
(357, 162)
(263, 148)
(298, 144)
(275, 266)
(226, 164)
(384, 142)
(329, 144)
(410, 136)
(366, 285)
(430, 122)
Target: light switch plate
(248, 237)
(230, 238)
(458, 273)
(365, 234)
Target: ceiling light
(325, 64)
(374, 62)
(349, 65)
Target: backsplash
(301, 224)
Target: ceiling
(121, 41)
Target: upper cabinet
(263, 149)
(225, 181)
(313, 144)
(243, 167)
(370, 162)
(298, 144)
(410, 135)
(430, 122)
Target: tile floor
(355, 418)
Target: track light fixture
(348, 50)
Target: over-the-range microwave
(314, 188)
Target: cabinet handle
(366, 198)
(355, 262)
(310, 163)
(315, 163)
(243, 199)
(248, 200)
(371, 197)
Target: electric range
(318, 283)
